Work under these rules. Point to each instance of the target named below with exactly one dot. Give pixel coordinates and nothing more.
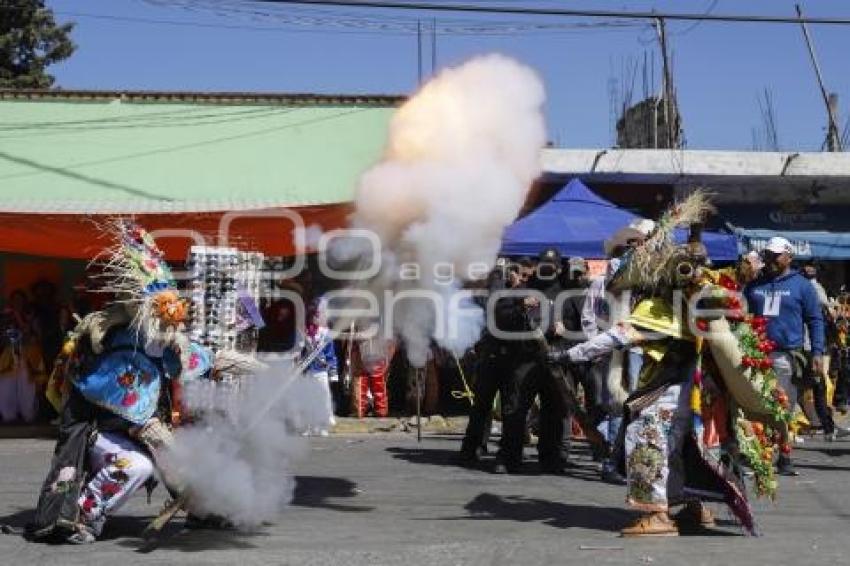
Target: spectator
(496, 358)
(817, 383)
(21, 361)
(314, 386)
(810, 272)
(790, 304)
(749, 267)
(370, 359)
(46, 313)
(608, 372)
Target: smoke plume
(461, 156)
(236, 459)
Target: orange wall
(77, 236)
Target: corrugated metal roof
(112, 152)
(734, 176)
(203, 97)
(666, 164)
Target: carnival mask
(169, 307)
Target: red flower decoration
(727, 283)
(126, 379)
(735, 315)
(194, 361)
(702, 325)
(110, 489)
(88, 504)
(781, 397)
(130, 399)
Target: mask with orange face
(169, 307)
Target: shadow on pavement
(310, 491)
(175, 537)
(126, 531)
(820, 466)
(428, 456)
(581, 469)
(833, 451)
(17, 520)
(488, 506)
(314, 492)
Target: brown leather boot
(695, 514)
(652, 525)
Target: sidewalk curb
(42, 431)
(431, 425)
(344, 426)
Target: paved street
(384, 499)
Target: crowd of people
(592, 370)
(682, 376)
(33, 326)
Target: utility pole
(434, 47)
(419, 51)
(667, 87)
(834, 140)
(833, 137)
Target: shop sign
(802, 248)
(788, 216)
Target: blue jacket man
(789, 302)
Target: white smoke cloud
(461, 156)
(237, 459)
(307, 239)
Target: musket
(181, 500)
(348, 355)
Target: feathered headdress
(648, 264)
(134, 269)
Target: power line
(180, 23)
(695, 25)
(381, 23)
(562, 12)
(531, 11)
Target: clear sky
(234, 45)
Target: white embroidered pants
(119, 466)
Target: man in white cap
(597, 316)
(790, 304)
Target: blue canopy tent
(577, 221)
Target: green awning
(143, 154)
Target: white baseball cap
(779, 245)
(643, 225)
